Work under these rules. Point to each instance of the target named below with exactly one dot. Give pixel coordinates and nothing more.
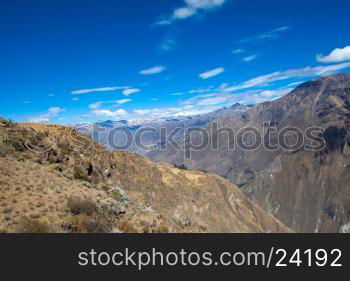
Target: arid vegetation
(56, 180)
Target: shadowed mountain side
(307, 190)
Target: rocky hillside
(308, 191)
(55, 180)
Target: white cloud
(152, 70)
(212, 73)
(95, 105)
(98, 104)
(238, 51)
(207, 103)
(109, 113)
(75, 99)
(156, 113)
(168, 44)
(213, 98)
(295, 84)
(177, 94)
(212, 101)
(52, 112)
(204, 4)
(272, 34)
(275, 93)
(191, 8)
(337, 55)
(200, 104)
(130, 91)
(265, 80)
(202, 90)
(163, 22)
(123, 101)
(142, 111)
(153, 113)
(184, 12)
(104, 89)
(223, 86)
(39, 119)
(250, 58)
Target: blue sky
(75, 61)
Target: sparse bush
(181, 167)
(8, 210)
(119, 195)
(27, 225)
(67, 175)
(86, 217)
(89, 224)
(64, 145)
(80, 173)
(4, 150)
(81, 206)
(14, 142)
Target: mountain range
(306, 189)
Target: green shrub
(119, 195)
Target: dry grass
(31, 190)
(27, 225)
(89, 224)
(76, 187)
